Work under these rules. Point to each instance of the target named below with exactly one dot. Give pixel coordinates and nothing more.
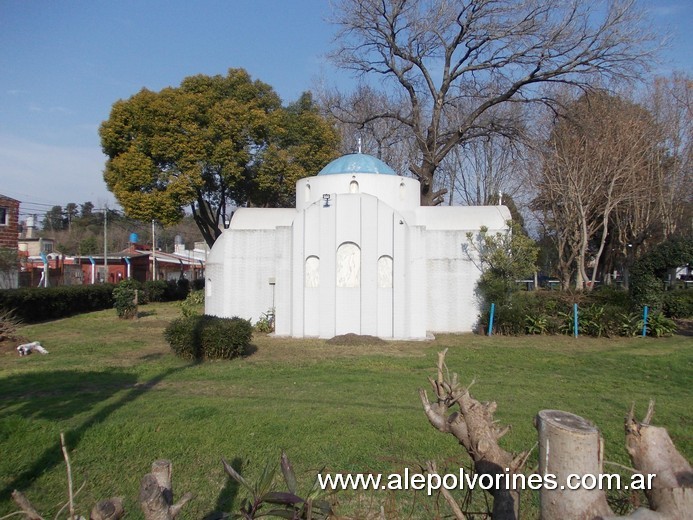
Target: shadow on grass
(71, 405)
(227, 495)
(60, 394)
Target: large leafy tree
(212, 143)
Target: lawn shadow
(60, 394)
(144, 314)
(52, 454)
(249, 351)
(227, 495)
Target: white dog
(28, 348)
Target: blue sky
(64, 63)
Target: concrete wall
(354, 264)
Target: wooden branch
(473, 426)
(156, 493)
(653, 452)
(26, 507)
(459, 515)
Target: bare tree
(386, 139)
(597, 161)
(478, 171)
(453, 63)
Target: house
(358, 254)
(9, 232)
(9, 222)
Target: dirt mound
(355, 339)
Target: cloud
(36, 172)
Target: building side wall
(453, 305)
(238, 274)
(9, 231)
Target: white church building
(358, 254)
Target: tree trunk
(569, 444)
(474, 427)
(156, 493)
(652, 452)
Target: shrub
(193, 303)
(630, 324)
(208, 337)
(659, 325)
(125, 299)
(166, 290)
(8, 325)
(226, 338)
(154, 290)
(265, 324)
(183, 336)
(36, 304)
(678, 304)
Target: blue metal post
(490, 319)
(575, 320)
(644, 321)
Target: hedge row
(605, 312)
(209, 337)
(35, 304)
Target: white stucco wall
(370, 261)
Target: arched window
(385, 271)
(307, 191)
(353, 187)
(402, 190)
(348, 265)
(312, 272)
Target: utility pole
(105, 244)
(153, 252)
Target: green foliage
(630, 325)
(659, 325)
(193, 303)
(503, 258)
(165, 290)
(648, 273)
(125, 299)
(265, 500)
(537, 324)
(36, 304)
(200, 337)
(265, 324)
(678, 303)
(600, 314)
(213, 141)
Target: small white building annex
(358, 254)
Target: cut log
(569, 445)
(111, 509)
(653, 452)
(156, 493)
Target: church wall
(250, 256)
(452, 278)
(283, 270)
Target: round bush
(208, 337)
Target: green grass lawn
(123, 401)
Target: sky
(64, 63)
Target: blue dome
(357, 163)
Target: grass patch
(123, 400)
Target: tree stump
(569, 444)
